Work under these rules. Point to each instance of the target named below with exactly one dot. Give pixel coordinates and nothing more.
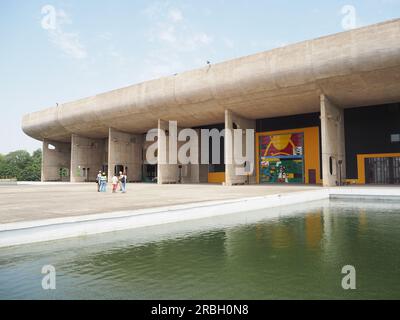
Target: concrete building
(325, 111)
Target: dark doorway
(87, 174)
(150, 173)
(312, 176)
(382, 170)
(118, 168)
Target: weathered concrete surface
(354, 68)
(170, 169)
(333, 143)
(35, 202)
(190, 170)
(167, 172)
(233, 121)
(125, 149)
(55, 158)
(86, 154)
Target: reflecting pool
(293, 252)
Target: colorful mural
(281, 158)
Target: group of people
(116, 181)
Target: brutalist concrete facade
(356, 68)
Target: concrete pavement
(40, 201)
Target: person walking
(103, 182)
(115, 182)
(123, 180)
(98, 178)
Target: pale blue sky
(98, 46)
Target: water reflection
(362, 221)
(293, 252)
(314, 229)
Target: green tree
(21, 165)
(32, 172)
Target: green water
(295, 252)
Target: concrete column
(88, 156)
(56, 161)
(203, 173)
(169, 172)
(125, 149)
(233, 121)
(203, 168)
(191, 171)
(333, 143)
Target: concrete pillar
(175, 172)
(333, 143)
(125, 149)
(191, 171)
(167, 173)
(203, 168)
(88, 156)
(203, 173)
(233, 121)
(56, 161)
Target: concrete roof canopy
(354, 68)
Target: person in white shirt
(115, 181)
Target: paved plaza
(25, 202)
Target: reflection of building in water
(337, 236)
(330, 246)
(267, 235)
(327, 221)
(282, 236)
(314, 229)
(362, 221)
(259, 232)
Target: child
(115, 181)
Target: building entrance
(382, 170)
(149, 173)
(118, 168)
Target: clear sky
(94, 46)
